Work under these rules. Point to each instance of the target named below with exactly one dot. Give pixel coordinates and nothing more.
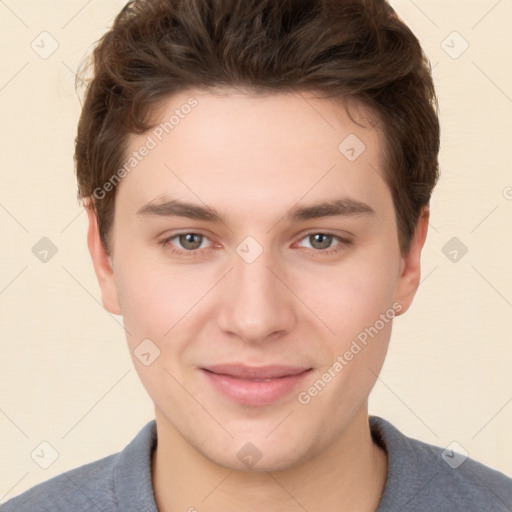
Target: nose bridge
(257, 303)
(252, 263)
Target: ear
(410, 269)
(102, 264)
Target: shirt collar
(132, 477)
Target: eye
(322, 242)
(187, 242)
(190, 243)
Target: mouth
(255, 386)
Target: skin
(253, 158)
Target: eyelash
(343, 242)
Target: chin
(268, 463)
(259, 455)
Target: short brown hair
(343, 49)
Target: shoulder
(459, 478)
(121, 481)
(428, 477)
(82, 488)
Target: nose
(257, 303)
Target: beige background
(66, 377)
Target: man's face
(276, 296)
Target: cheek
(358, 308)
(353, 295)
(372, 289)
(154, 297)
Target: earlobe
(410, 269)
(102, 264)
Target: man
(257, 176)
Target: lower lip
(253, 392)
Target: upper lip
(241, 371)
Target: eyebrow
(335, 207)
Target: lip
(255, 386)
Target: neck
(349, 475)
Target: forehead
(230, 147)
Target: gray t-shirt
(421, 478)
